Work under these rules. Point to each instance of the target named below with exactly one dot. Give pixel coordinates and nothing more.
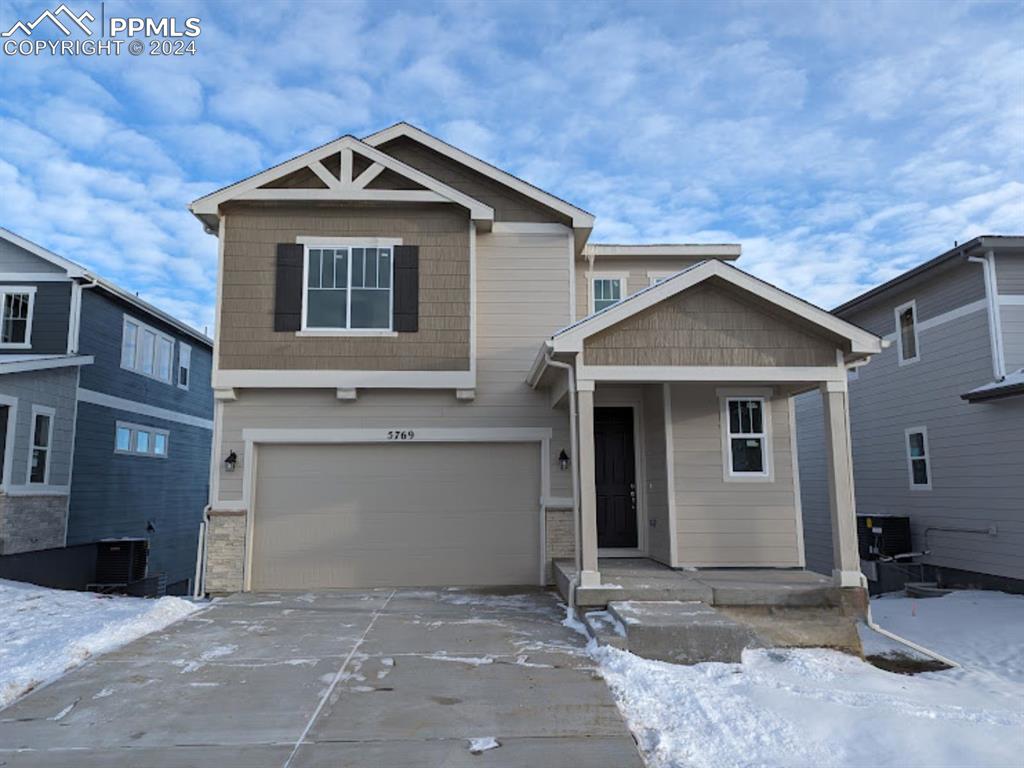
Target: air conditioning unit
(121, 561)
(882, 536)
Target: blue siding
(100, 336)
(49, 318)
(115, 495)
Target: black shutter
(288, 295)
(407, 289)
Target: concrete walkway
(380, 678)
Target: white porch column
(589, 575)
(846, 559)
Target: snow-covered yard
(45, 632)
(822, 708)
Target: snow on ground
(46, 632)
(822, 708)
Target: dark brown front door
(615, 473)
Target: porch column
(589, 575)
(845, 556)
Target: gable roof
(75, 270)
(205, 208)
(580, 218)
(570, 338)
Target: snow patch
(480, 745)
(475, 661)
(46, 632)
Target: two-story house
(938, 417)
(425, 375)
(105, 414)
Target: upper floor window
(139, 440)
(658, 277)
(607, 291)
(746, 437)
(918, 462)
(146, 350)
(16, 304)
(906, 333)
(348, 287)
(184, 365)
(39, 450)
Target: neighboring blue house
(108, 412)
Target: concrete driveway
(397, 679)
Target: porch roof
(856, 342)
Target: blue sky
(839, 143)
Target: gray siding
(813, 459)
(1010, 277)
(49, 318)
(976, 450)
(54, 388)
(1010, 274)
(13, 258)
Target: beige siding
(635, 269)
(511, 321)
(708, 325)
(397, 514)
(720, 523)
(656, 490)
(247, 336)
(508, 205)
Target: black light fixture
(230, 462)
(563, 460)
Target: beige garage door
(425, 514)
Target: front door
(615, 473)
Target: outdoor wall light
(230, 462)
(563, 460)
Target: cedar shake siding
(508, 204)
(708, 325)
(248, 340)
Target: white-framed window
(919, 466)
(746, 433)
(349, 285)
(908, 346)
(658, 277)
(184, 365)
(606, 290)
(17, 303)
(39, 448)
(852, 374)
(146, 351)
(140, 440)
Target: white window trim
(927, 458)
(912, 305)
(15, 289)
(730, 476)
(133, 428)
(653, 276)
(159, 334)
(39, 410)
(622, 277)
(346, 242)
(182, 346)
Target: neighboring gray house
(937, 418)
(105, 414)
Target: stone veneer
(28, 523)
(225, 552)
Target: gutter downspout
(903, 641)
(995, 326)
(201, 554)
(573, 446)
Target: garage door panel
(396, 515)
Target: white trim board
(655, 373)
(285, 379)
(43, 363)
(12, 430)
(143, 409)
(946, 317)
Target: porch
(626, 579)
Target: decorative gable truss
(345, 169)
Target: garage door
(425, 514)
